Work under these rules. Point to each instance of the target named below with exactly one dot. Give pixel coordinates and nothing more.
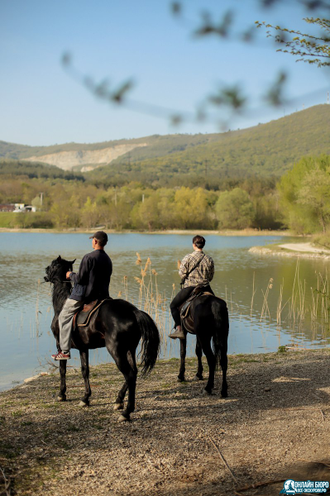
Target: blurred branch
(309, 48)
(216, 108)
(222, 105)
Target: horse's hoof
(61, 398)
(121, 418)
(198, 378)
(206, 392)
(118, 406)
(83, 403)
(180, 379)
(224, 394)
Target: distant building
(16, 208)
(30, 208)
(19, 207)
(7, 207)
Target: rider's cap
(101, 237)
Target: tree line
(300, 201)
(75, 204)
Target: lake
(272, 301)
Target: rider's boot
(178, 333)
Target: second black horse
(210, 323)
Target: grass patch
(73, 428)
(17, 413)
(166, 385)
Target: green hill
(12, 167)
(266, 150)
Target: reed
(301, 308)
(265, 307)
(253, 293)
(150, 299)
(298, 310)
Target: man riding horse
(196, 269)
(90, 283)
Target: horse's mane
(61, 291)
(61, 288)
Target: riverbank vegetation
(72, 203)
(299, 200)
(304, 193)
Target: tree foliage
(71, 204)
(305, 195)
(234, 209)
(309, 48)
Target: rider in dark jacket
(90, 283)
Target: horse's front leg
(183, 348)
(62, 367)
(84, 358)
(199, 354)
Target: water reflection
(262, 318)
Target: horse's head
(57, 270)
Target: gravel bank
(274, 425)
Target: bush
(29, 220)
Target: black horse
(210, 322)
(118, 326)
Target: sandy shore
(304, 250)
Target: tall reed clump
(301, 307)
(150, 299)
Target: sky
(44, 102)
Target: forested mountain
(266, 150)
(11, 167)
(267, 177)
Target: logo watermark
(300, 487)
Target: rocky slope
(68, 160)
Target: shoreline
(54, 369)
(225, 232)
(300, 250)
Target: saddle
(187, 317)
(82, 317)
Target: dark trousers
(180, 298)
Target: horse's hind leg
(199, 354)
(224, 364)
(62, 395)
(211, 360)
(183, 348)
(120, 398)
(84, 359)
(126, 364)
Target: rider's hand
(68, 275)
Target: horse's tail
(150, 341)
(221, 328)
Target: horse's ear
(73, 261)
(59, 258)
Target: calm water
(242, 278)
